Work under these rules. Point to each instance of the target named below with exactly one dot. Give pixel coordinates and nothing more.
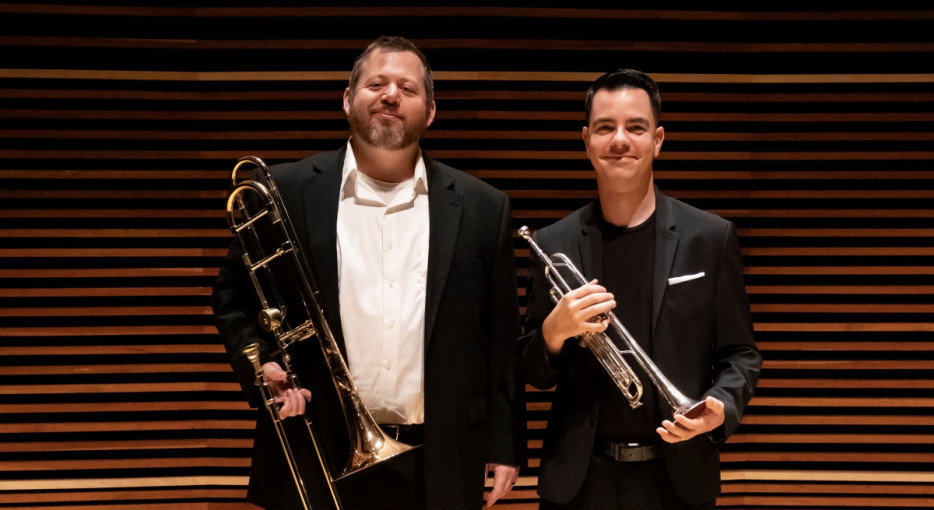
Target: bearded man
(415, 266)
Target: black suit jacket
(702, 341)
(473, 408)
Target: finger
(499, 488)
(684, 423)
(590, 303)
(715, 406)
(672, 433)
(493, 498)
(286, 406)
(593, 303)
(677, 428)
(292, 404)
(272, 371)
(586, 309)
(587, 288)
(603, 305)
(666, 436)
(486, 477)
(591, 324)
(299, 403)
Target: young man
(673, 275)
(415, 265)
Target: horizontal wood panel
(118, 135)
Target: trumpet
(291, 312)
(601, 344)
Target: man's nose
(620, 138)
(391, 95)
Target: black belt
(409, 434)
(628, 452)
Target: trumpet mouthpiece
(524, 232)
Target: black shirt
(628, 265)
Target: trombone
(610, 357)
(291, 312)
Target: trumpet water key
(601, 344)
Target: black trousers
(613, 485)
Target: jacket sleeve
(736, 359)
(539, 367)
(235, 307)
(507, 438)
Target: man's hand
(504, 477)
(683, 428)
(292, 401)
(573, 315)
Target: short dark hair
(625, 79)
(392, 43)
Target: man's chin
(381, 139)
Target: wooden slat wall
(120, 122)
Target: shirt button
(388, 365)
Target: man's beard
(381, 136)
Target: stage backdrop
(120, 122)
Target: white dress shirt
(382, 260)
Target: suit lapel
(445, 207)
(321, 192)
(591, 258)
(666, 244)
(590, 246)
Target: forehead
(625, 104)
(397, 64)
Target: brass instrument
(602, 346)
(291, 311)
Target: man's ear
(347, 101)
(585, 135)
(431, 113)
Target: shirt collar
(350, 173)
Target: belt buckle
(631, 452)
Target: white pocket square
(685, 278)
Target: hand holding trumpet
(682, 428)
(575, 314)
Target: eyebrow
(633, 120)
(383, 77)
